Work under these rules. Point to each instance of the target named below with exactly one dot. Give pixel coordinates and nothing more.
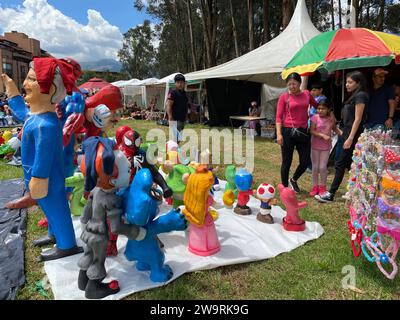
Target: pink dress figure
(203, 241)
(203, 238)
(292, 221)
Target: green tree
(138, 54)
(392, 21)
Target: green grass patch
(312, 271)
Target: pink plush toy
(292, 221)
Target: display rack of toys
(373, 200)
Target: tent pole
(304, 83)
(343, 85)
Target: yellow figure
(197, 194)
(228, 198)
(7, 135)
(203, 238)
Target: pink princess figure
(203, 238)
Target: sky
(86, 30)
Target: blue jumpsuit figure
(42, 158)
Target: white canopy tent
(159, 89)
(265, 63)
(144, 91)
(131, 91)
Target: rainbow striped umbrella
(345, 49)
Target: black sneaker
(324, 198)
(293, 184)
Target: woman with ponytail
(352, 125)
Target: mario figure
(243, 181)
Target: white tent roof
(119, 83)
(146, 82)
(124, 83)
(168, 78)
(265, 63)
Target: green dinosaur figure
(77, 201)
(6, 149)
(230, 172)
(175, 182)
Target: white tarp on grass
(242, 238)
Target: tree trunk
(287, 12)
(192, 45)
(235, 36)
(184, 38)
(312, 10)
(359, 9)
(176, 36)
(209, 19)
(266, 31)
(340, 14)
(333, 14)
(381, 15)
(348, 14)
(250, 22)
(368, 15)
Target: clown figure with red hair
(47, 83)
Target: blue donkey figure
(141, 208)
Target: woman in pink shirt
(291, 129)
(322, 125)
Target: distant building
(16, 51)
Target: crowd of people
(6, 118)
(188, 110)
(132, 110)
(305, 122)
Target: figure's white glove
(138, 161)
(14, 143)
(101, 116)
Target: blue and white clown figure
(42, 150)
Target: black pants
(342, 163)
(303, 147)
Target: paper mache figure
(141, 209)
(106, 169)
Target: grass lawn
(313, 271)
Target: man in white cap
(382, 101)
